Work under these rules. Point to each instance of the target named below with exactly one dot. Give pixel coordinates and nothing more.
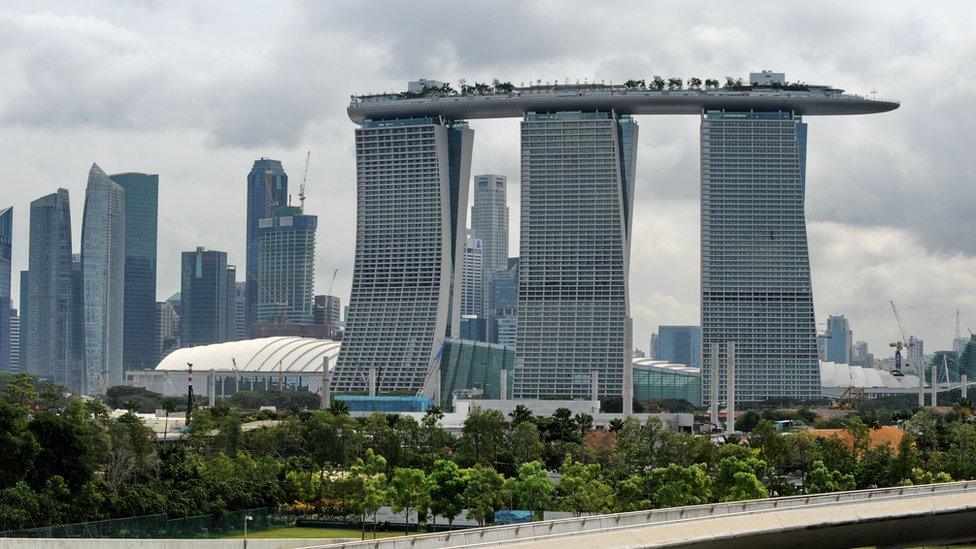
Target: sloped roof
(267, 354)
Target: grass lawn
(305, 532)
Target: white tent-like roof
(285, 355)
(834, 375)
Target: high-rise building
(78, 316)
(473, 278)
(141, 220)
(489, 224)
(916, 352)
(6, 305)
(230, 329)
(326, 313)
(49, 307)
(959, 342)
(503, 316)
(103, 271)
(14, 341)
(755, 266)
(240, 326)
(167, 329)
(204, 298)
(862, 356)
(678, 345)
(411, 195)
(840, 340)
(286, 267)
(267, 190)
(577, 197)
(24, 305)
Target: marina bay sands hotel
(578, 152)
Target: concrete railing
(531, 530)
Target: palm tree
(519, 414)
(616, 425)
(585, 422)
(674, 83)
(694, 83)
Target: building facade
(267, 190)
(503, 319)
(411, 196)
(141, 227)
(327, 312)
(489, 224)
(103, 259)
(14, 341)
(839, 346)
(6, 305)
(24, 304)
(167, 330)
(573, 310)
(678, 345)
(204, 298)
(286, 267)
(755, 266)
(49, 304)
(473, 277)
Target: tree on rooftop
(658, 83)
(694, 83)
(674, 83)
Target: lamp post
(247, 518)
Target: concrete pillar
(372, 381)
(730, 388)
(326, 385)
(503, 385)
(965, 386)
(628, 396)
(921, 377)
(713, 383)
(935, 385)
(594, 385)
(212, 388)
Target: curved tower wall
(755, 265)
(412, 179)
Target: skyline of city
(843, 254)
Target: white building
(473, 277)
(489, 223)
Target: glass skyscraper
(755, 266)
(267, 190)
(286, 267)
(840, 340)
(103, 272)
(206, 295)
(573, 310)
(49, 305)
(678, 345)
(411, 191)
(489, 223)
(141, 219)
(6, 249)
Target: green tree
(525, 442)
(19, 447)
(819, 480)
(409, 492)
(581, 489)
(446, 486)
(534, 487)
(962, 451)
(630, 495)
(520, 414)
(483, 435)
(482, 495)
(740, 479)
(675, 485)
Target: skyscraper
(6, 255)
(14, 341)
(473, 277)
(103, 271)
(240, 327)
(411, 195)
(755, 267)
(267, 190)
(678, 344)
(840, 340)
(24, 304)
(327, 313)
(141, 215)
(204, 298)
(78, 316)
(489, 223)
(286, 267)
(577, 198)
(503, 322)
(49, 338)
(167, 329)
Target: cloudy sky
(194, 91)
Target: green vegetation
(68, 460)
(307, 532)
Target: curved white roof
(843, 375)
(267, 354)
(666, 367)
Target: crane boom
(331, 284)
(901, 327)
(301, 188)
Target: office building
(839, 340)
(167, 334)
(326, 313)
(862, 356)
(473, 277)
(24, 304)
(78, 315)
(286, 267)
(267, 190)
(411, 193)
(6, 305)
(240, 326)
(49, 303)
(755, 266)
(14, 341)
(916, 352)
(503, 316)
(474, 328)
(489, 224)
(103, 275)
(204, 298)
(141, 222)
(677, 345)
(573, 310)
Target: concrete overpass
(895, 517)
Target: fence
(161, 527)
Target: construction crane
(907, 345)
(331, 284)
(301, 188)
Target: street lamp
(247, 518)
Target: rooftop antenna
(301, 188)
